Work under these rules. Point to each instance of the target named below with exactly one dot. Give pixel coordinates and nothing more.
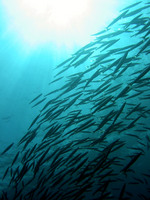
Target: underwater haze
(75, 100)
(28, 62)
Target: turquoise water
(26, 72)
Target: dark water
(89, 137)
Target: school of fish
(91, 138)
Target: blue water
(27, 71)
(24, 72)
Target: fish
(23, 171)
(132, 161)
(34, 121)
(55, 80)
(122, 192)
(92, 126)
(123, 92)
(32, 135)
(145, 36)
(62, 71)
(144, 47)
(72, 119)
(6, 172)
(134, 95)
(120, 63)
(109, 44)
(131, 6)
(135, 11)
(120, 145)
(52, 92)
(52, 130)
(114, 88)
(32, 150)
(99, 59)
(135, 20)
(79, 165)
(101, 89)
(145, 28)
(38, 164)
(39, 102)
(105, 120)
(35, 98)
(79, 62)
(134, 109)
(6, 118)
(118, 18)
(99, 33)
(133, 135)
(85, 125)
(72, 102)
(66, 61)
(15, 158)
(7, 148)
(101, 104)
(132, 124)
(82, 49)
(119, 112)
(145, 71)
(92, 77)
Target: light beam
(62, 21)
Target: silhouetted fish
(132, 161)
(7, 148)
(93, 121)
(35, 98)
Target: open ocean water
(75, 114)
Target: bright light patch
(64, 12)
(62, 21)
(54, 12)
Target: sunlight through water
(36, 22)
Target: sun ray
(63, 21)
